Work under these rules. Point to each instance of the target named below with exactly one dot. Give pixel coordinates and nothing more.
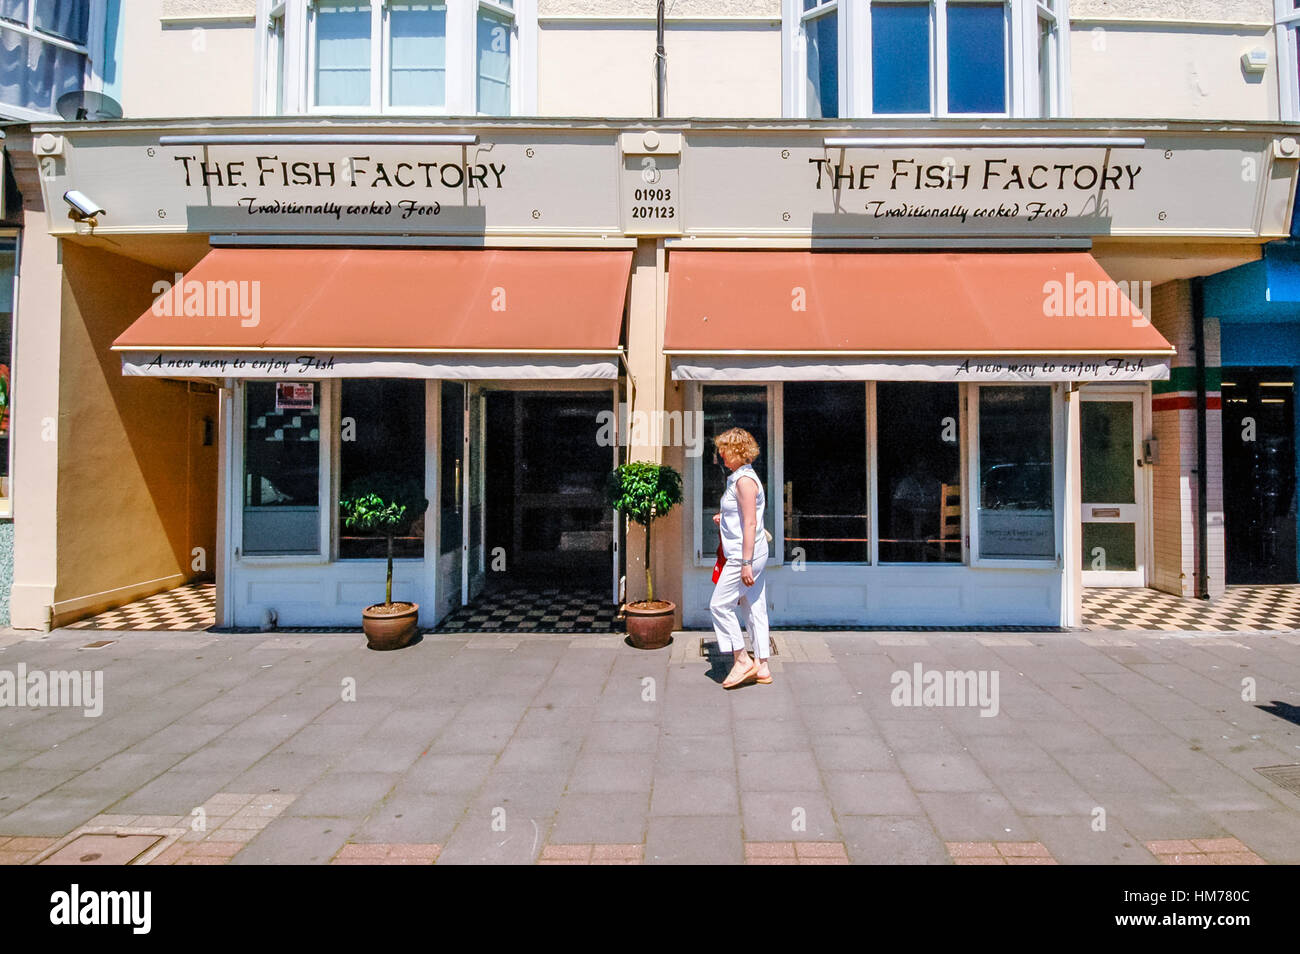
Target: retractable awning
(922, 316)
(411, 313)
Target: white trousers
(733, 602)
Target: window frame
(774, 473)
(325, 490)
(967, 436)
(92, 78)
(1021, 19)
(461, 65)
(972, 510)
(16, 236)
(1287, 30)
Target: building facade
(442, 247)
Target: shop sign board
(737, 182)
(513, 184)
(801, 183)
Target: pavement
(1083, 748)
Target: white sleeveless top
(733, 541)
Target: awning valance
(924, 316)
(416, 313)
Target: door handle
(458, 488)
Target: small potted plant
(644, 492)
(385, 507)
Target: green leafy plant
(383, 505)
(645, 491)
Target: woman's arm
(747, 495)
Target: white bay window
(47, 48)
(977, 58)
(404, 57)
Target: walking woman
(740, 593)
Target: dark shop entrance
(1259, 468)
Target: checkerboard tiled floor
(1243, 609)
(532, 609)
(529, 609)
(190, 608)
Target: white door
(1113, 489)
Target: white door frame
(1139, 512)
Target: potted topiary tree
(644, 492)
(387, 507)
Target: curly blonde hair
(738, 441)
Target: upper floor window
(398, 56)
(45, 51)
(1288, 70)
(925, 57)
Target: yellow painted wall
(136, 488)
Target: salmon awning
(909, 316)
(414, 313)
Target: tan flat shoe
(750, 673)
(764, 680)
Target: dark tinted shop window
(1017, 519)
(381, 450)
(918, 444)
(281, 467)
(826, 472)
(726, 407)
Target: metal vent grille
(1286, 776)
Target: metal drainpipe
(660, 59)
(1202, 502)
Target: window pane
(493, 65)
(8, 261)
(1109, 546)
(343, 54)
(1016, 518)
(919, 479)
(277, 64)
(33, 74)
(977, 58)
(381, 450)
(1046, 67)
(450, 479)
(281, 467)
(823, 66)
(900, 57)
(67, 19)
(15, 10)
(726, 407)
(826, 472)
(418, 54)
(1108, 452)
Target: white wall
(188, 64)
(1185, 71)
(606, 68)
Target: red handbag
(722, 561)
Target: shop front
(946, 345)
(400, 372)
(921, 467)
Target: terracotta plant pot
(390, 627)
(650, 625)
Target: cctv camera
(82, 206)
